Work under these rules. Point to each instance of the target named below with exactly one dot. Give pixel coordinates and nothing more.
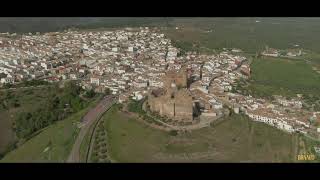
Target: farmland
(249, 34)
(279, 76)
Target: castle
(174, 100)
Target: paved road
(89, 119)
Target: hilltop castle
(174, 100)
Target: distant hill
(250, 34)
(47, 24)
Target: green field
(279, 76)
(58, 138)
(312, 56)
(237, 139)
(246, 33)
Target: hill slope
(236, 139)
(52, 144)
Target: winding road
(89, 119)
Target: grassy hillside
(52, 144)
(24, 111)
(28, 100)
(237, 139)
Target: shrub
(96, 138)
(102, 133)
(16, 103)
(173, 132)
(90, 93)
(103, 144)
(52, 110)
(94, 159)
(107, 161)
(136, 106)
(96, 147)
(103, 157)
(103, 150)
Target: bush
(94, 158)
(136, 106)
(102, 133)
(56, 107)
(103, 157)
(90, 93)
(103, 144)
(99, 131)
(96, 138)
(16, 103)
(96, 147)
(99, 141)
(107, 91)
(103, 150)
(107, 161)
(173, 133)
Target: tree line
(57, 107)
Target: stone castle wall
(180, 78)
(168, 109)
(176, 109)
(173, 103)
(184, 111)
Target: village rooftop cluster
(130, 62)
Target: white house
(137, 95)
(276, 122)
(140, 84)
(73, 76)
(236, 110)
(95, 80)
(130, 49)
(7, 80)
(44, 65)
(115, 49)
(155, 83)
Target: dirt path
(89, 119)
